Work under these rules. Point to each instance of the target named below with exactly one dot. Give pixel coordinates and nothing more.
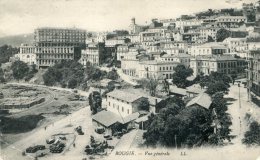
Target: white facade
(209, 49)
(236, 44)
(27, 54)
(156, 69)
(123, 103)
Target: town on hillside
(180, 88)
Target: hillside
(16, 40)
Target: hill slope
(16, 40)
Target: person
(74, 145)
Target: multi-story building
(253, 72)
(182, 58)
(236, 44)
(27, 54)
(113, 42)
(187, 23)
(230, 21)
(59, 37)
(126, 49)
(55, 44)
(206, 32)
(209, 49)
(226, 64)
(48, 56)
(123, 103)
(94, 54)
(156, 69)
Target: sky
(23, 16)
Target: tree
(180, 76)
(210, 39)
(52, 76)
(252, 136)
(95, 102)
(233, 76)
(2, 79)
(112, 75)
(150, 84)
(143, 105)
(218, 86)
(177, 126)
(6, 52)
(93, 73)
(222, 34)
(66, 73)
(20, 69)
(219, 105)
(72, 83)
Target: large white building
(209, 49)
(123, 103)
(236, 44)
(156, 69)
(217, 63)
(27, 54)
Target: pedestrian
(74, 145)
(45, 128)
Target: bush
(20, 69)
(252, 137)
(72, 83)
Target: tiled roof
(203, 100)
(106, 118)
(176, 90)
(125, 96)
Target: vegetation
(93, 73)
(222, 34)
(20, 70)
(178, 126)
(180, 76)
(6, 52)
(112, 75)
(2, 79)
(150, 84)
(215, 82)
(219, 111)
(95, 102)
(19, 125)
(143, 105)
(252, 136)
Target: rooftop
(154, 62)
(106, 118)
(203, 100)
(216, 57)
(124, 95)
(176, 90)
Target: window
(122, 109)
(118, 107)
(108, 103)
(128, 111)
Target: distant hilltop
(16, 40)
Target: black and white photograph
(129, 79)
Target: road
(238, 110)
(125, 77)
(49, 99)
(65, 125)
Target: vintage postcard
(130, 79)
